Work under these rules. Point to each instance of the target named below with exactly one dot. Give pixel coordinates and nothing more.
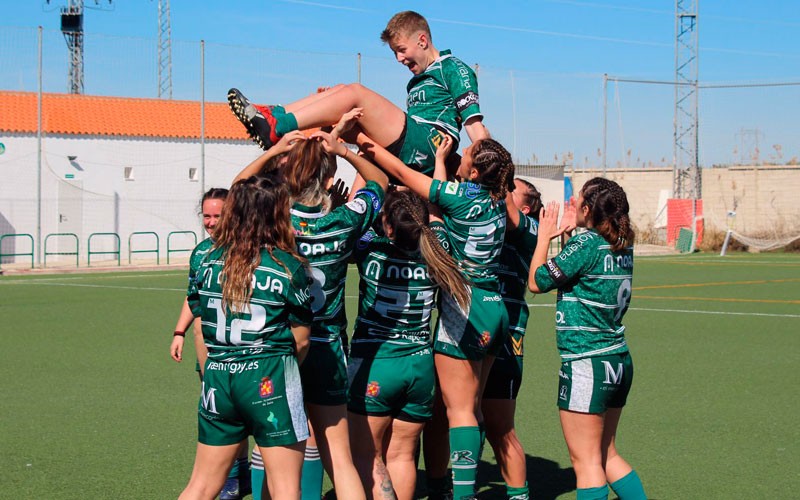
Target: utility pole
(164, 51)
(72, 28)
(686, 173)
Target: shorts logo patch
(272, 419)
(485, 339)
(265, 387)
(562, 393)
(373, 389)
(516, 346)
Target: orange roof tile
(72, 114)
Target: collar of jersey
(314, 211)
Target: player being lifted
(442, 97)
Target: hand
(176, 348)
(548, 222)
(443, 151)
(287, 142)
(570, 217)
(339, 193)
(329, 143)
(346, 122)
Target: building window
(194, 174)
(128, 173)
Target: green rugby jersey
(476, 226)
(263, 329)
(327, 239)
(594, 291)
(515, 261)
(196, 258)
(395, 299)
(445, 95)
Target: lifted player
(442, 97)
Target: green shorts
(417, 147)
(261, 397)
(324, 373)
(402, 387)
(505, 377)
(593, 385)
(474, 333)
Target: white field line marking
(721, 313)
(118, 287)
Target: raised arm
(548, 229)
(283, 146)
(476, 130)
(415, 181)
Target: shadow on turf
(546, 480)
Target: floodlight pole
(39, 158)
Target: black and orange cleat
(258, 120)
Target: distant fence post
(170, 250)
(113, 252)
(155, 250)
(16, 254)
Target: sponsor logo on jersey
(373, 389)
(485, 339)
(472, 190)
(556, 273)
(451, 188)
(376, 201)
(466, 100)
(419, 157)
(363, 242)
(265, 387)
(416, 96)
(358, 206)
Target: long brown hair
(307, 169)
(608, 212)
(255, 216)
(495, 167)
(407, 214)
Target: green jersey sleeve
(574, 260)
(462, 83)
(298, 298)
(365, 206)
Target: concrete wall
(764, 198)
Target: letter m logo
(208, 400)
(613, 377)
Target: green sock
(518, 493)
(465, 443)
(285, 123)
(278, 110)
(234, 473)
(599, 493)
(256, 473)
(629, 487)
(311, 481)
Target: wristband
(178, 333)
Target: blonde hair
(404, 24)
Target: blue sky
(541, 63)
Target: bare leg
(615, 466)
(292, 107)
(499, 422)
(383, 122)
(333, 441)
(459, 380)
(583, 433)
(400, 457)
(283, 465)
(367, 453)
(211, 466)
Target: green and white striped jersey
(475, 225)
(445, 95)
(594, 291)
(196, 258)
(263, 329)
(396, 296)
(515, 261)
(327, 240)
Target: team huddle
(426, 229)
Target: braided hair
(608, 212)
(407, 214)
(495, 167)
